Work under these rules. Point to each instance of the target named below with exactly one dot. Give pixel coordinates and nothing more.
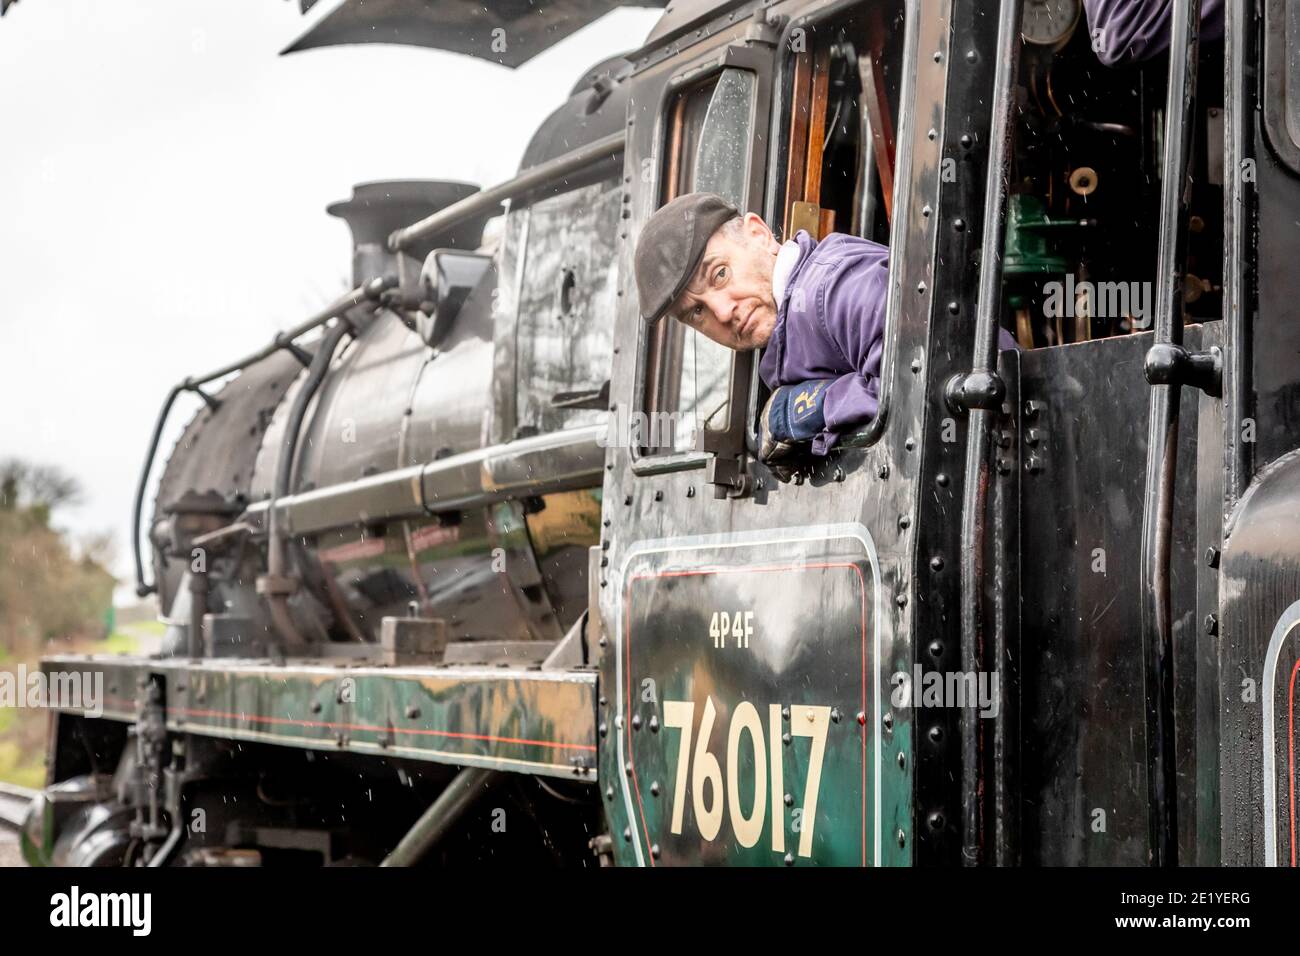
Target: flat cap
(671, 245)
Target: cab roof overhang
(508, 32)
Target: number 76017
(805, 721)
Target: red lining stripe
(627, 728)
(196, 712)
(397, 730)
(1290, 726)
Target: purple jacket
(1132, 30)
(831, 324)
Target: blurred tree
(37, 488)
(46, 590)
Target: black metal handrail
(367, 291)
(979, 392)
(490, 200)
(1168, 367)
(1237, 205)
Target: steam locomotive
(425, 604)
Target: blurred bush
(48, 588)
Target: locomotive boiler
(245, 557)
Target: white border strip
(1281, 631)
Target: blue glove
(794, 413)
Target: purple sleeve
(852, 311)
(853, 315)
(1133, 30)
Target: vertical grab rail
(1168, 367)
(1237, 213)
(978, 392)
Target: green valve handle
(1030, 247)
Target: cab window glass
(710, 130)
(722, 159)
(565, 296)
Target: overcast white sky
(163, 180)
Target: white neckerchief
(786, 260)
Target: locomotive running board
(511, 719)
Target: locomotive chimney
(377, 209)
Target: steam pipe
(162, 856)
(198, 607)
(367, 291)
(142, 589)
(864, 198)
(275, 585)
(434, 823)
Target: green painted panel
(746, 683)
(526, 721)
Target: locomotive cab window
(564, 294)
(836, 175)
(840, 108)
(1082, 216)
(841, 103)
(710, 129)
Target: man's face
(729, 299)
